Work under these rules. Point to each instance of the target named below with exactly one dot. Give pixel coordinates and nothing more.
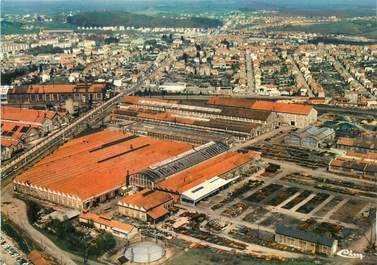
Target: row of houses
(21, 126)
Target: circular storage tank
(143, 252)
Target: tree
(105, 242)
(33, 209)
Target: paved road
(249, 73)
(301, 76)
(15, 210)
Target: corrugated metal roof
(304, 235)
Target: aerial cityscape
(188, 132)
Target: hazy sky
(370, 2)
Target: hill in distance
(123, 18)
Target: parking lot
(10, 254)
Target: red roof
(14, 130)
(107, 221)
(147, 199)
(83, 167)
(202, 172)
(39, 258)
(58, 88)
(282, 107)
(26, 115)
(261, 105)
(9, 142)
(158, 212)
(232, 102)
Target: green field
(210, 257)
(122, 18)
(360, 28)
(8, 27)
(15, 27)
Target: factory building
(207, 178)
(359, 144)
(56, 93)
(92, 169)
(176, 132)
(44, 120)
(173, 87)
(21, 126)
(158, 172)
(311, 137)
(358, 168)
(103, 223)
(146, 205)
(305, 241)
(297, 115)
(237, 121)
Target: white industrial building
(174, 87)
(205, 189)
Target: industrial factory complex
(159, 157)
(208, 133)
(93, 168)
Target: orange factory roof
(366, 155)
(26, 115)
(367, 143)
(233, 102)
(39, 258)
(147, 199)
(14, 130)
(165, 116)
(345, 141)
(85, 168)
(107, 221)
(136, 99)
(216, 166)
(261, 105)
(58, 88)
(158, 212)
(9, 142)
(282, 107)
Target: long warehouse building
(203, 180)
(93, 168)
(237, 121)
